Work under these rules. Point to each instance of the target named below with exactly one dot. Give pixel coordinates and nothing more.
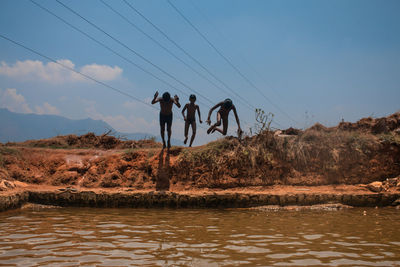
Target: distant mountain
(18, 127)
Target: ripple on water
(198, 237)
(248, 249)
(312, 237)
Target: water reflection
(104, 237)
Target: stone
(396, 202)
(6, 185)
(375, 186)
(392, 181)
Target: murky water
(123, 237)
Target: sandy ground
(275, 189)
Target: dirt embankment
(351, 153)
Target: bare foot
(185, 141)
(163, 146)
(169, 145)
(240, 133)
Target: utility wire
(130, 49)
(224, 37)
(84, 75)
(103, 45)
(227, 60)
(109, 49)
(158, 43)
(76, 71)
(165, 49)
(252, 107)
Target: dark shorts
(165, 119)
(191, 120)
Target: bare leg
(224, 129)
(169, 134)
(162, 134)
(213, 127)
(193, 133)
(186, 132)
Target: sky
(304, 61)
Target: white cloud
(13, 101)
(102, 72)
(130, 105)
(46, 108)
(54, 73)
(121, 123)
(131, 125)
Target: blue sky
(316, 61)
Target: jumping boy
(166, 103)
(223, 113)
(190, 118)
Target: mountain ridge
(19, 127)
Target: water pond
(199, 237)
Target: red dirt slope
(350, 153)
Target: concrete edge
(181, 200)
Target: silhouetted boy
(223, 113)
(190, 118)
(166, 103)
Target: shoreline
(233, 198)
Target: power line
(158, 43)
(130, 49)
(223, 37)
(108, 48)
(227, 60)
(76, 71)
(165, 49)
(103, 45)
(84, 75)
(191, 57)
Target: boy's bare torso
(191, 112)
(166, 107)
(224, 112)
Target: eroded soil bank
(233, 198)
(356, 164)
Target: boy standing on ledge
(166, 103)
(222, 114)
(190, 118)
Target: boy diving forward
(190, 118)
(166, 103)
(222, 114)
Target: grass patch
(7, 151)
(4, 150)
(390, 138)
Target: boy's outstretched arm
(198, 111)
(155, 99)
(183, 111)
(237, 118)
(211, 110)
(176, 101)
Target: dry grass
(316, 156)
(89, 140)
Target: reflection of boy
(166, 103)
(190, 118)
(223, 113)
